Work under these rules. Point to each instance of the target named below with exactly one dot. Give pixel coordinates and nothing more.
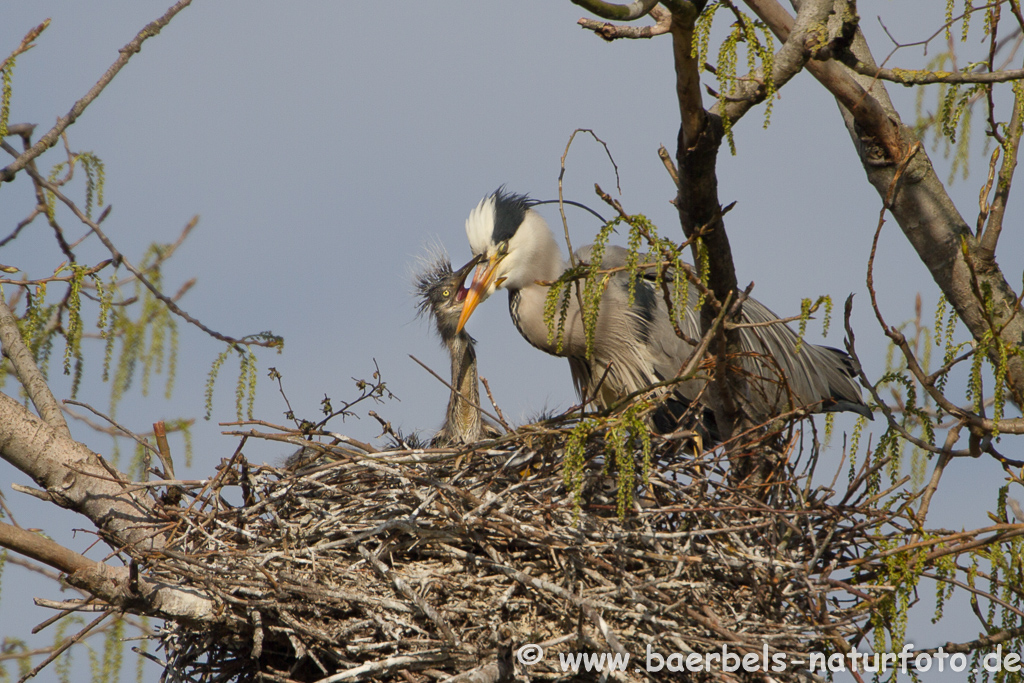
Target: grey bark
(941, 237)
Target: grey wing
(818, 377)
(781, 377)
(663, 350)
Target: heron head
(511, 239)
(443, 293)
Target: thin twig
(125, 53)
(457, 392)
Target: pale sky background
(324, 146)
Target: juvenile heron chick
(442, 294)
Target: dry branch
(125, 53)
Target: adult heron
(635, 345)
(442, 294)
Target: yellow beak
(479, 290)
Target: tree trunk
(920, 203)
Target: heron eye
(503, 248)
(446, 293)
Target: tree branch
(114, 585)
(1010, 147)
(700, 136)
(910, 77)
(609, 10)
(42, 549)
(50, 138)
(75, 477)
(273, 342)
(870, 115)
(28, 372)
(922, 207)
(610, 32)
(797, 48)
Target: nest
(433, 564)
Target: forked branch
(125, 53)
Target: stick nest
(423, 564)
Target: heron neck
(463, 417)
(548, 262)
(533, 254)
(527, 298)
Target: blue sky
(323, 146)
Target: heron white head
(515, 244)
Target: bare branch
(59, 650)
(940, 467)
(610, 32)
(47, 455)
(164, 448)
(494, 404)
(28, 372)
(1010, 146)
(609, 10)
(444, 382)
(922, 77)
(42, 549)
(50, 138)
(121, 431)
(119, 258)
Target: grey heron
(635, 344)
(442, 294)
